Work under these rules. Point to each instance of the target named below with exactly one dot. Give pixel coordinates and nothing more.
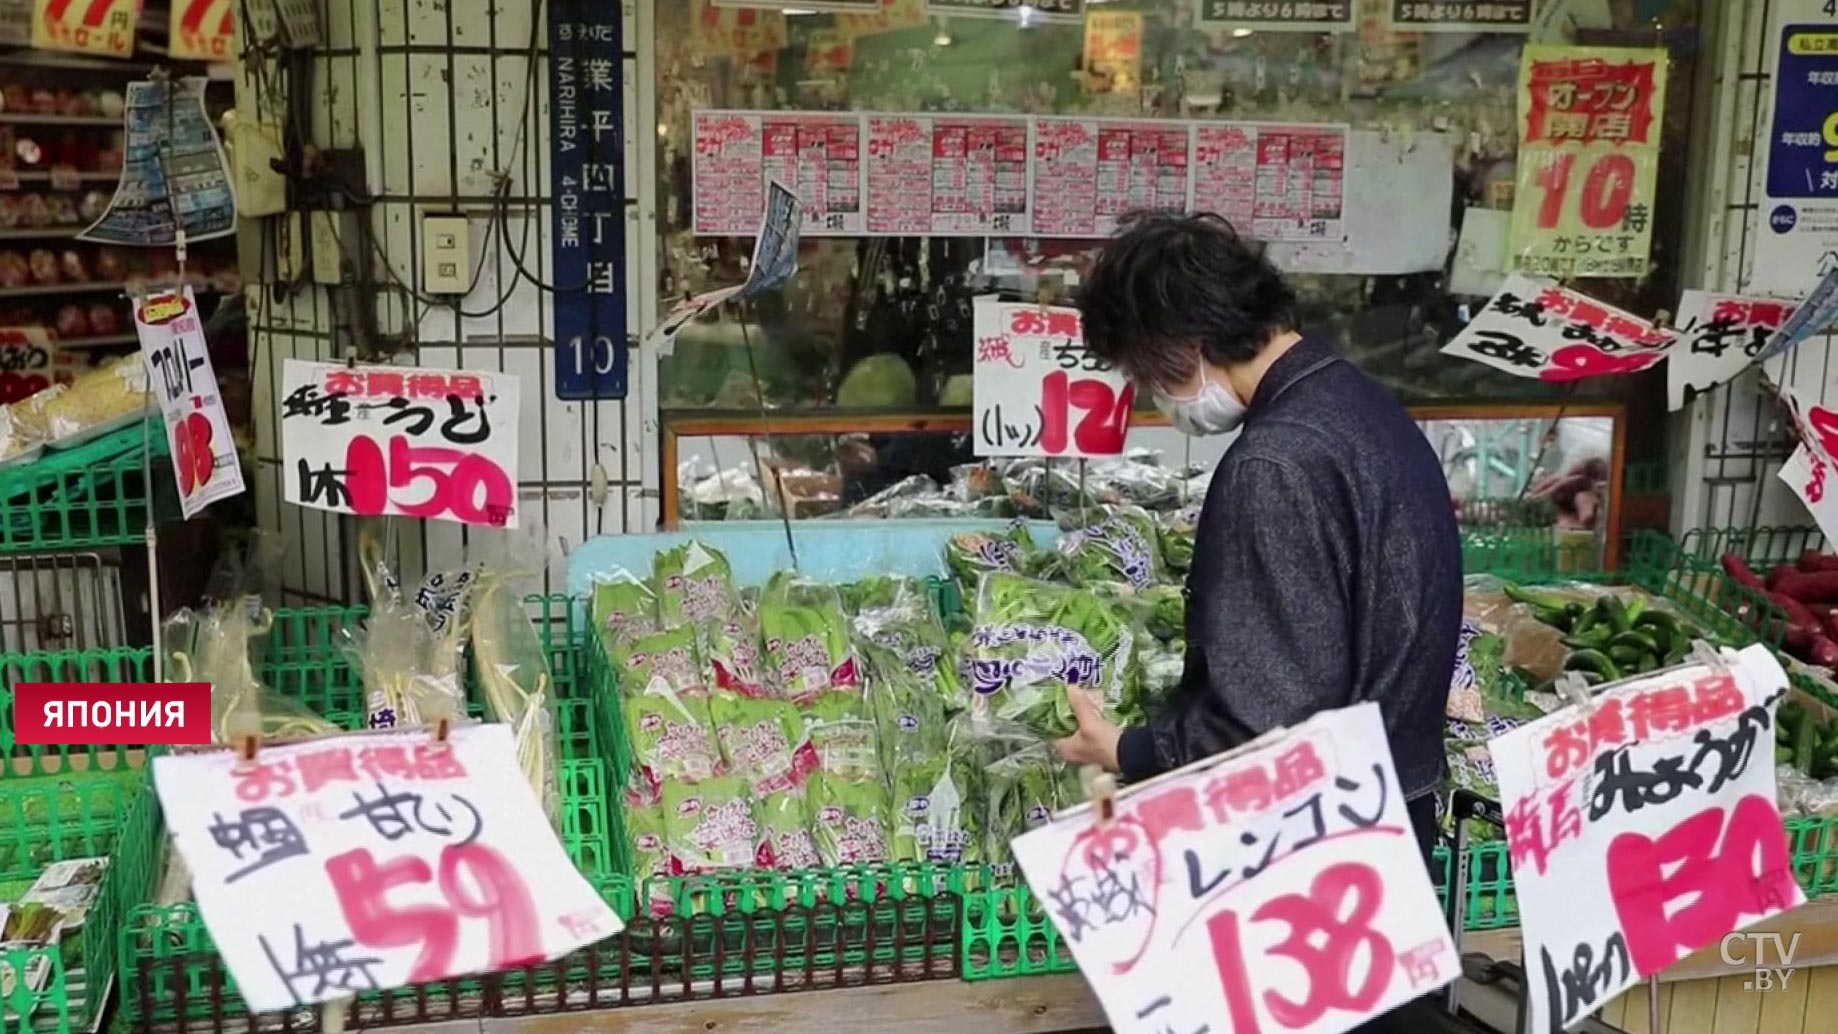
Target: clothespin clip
(1101, 790)
(442, 725)
(332, 1015)
(1572, 688)
(245, 732)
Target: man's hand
(1096, 741)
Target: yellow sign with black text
(104, 28)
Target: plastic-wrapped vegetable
(757, 739)
(934, 806)
(971, 554)
(1121, 547)
(912, 681)
(649, 839)
(1178, 529)
(111, 396)
(673, 738)
(514, 679)
(1034, 642)
(664, 664)
(694, 584)
(840, 732)
(1021, 792)
(731, 651)
(807, 639)
(881, 590)
(710, 826)
(212, 645)
(624, 608)
(1159, 675)
(849, 819)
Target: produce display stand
(70, 802)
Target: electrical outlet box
(445, 266)
(328, 256)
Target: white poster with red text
(204, 459)
(1642, 827)
(739, 154)
(1811, 479)
(1038, 392)
(403, 440)
(947, 175)
(340, 866)
(1280, 887)
(1719, 335)
(1534, 328)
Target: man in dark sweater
(1327, 567)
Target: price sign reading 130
(1038, 391)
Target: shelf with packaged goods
(94, 287)
(33, 233)
(47, 176)
(27, 118)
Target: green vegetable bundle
(971, 554)
(1121, 545)
(849, 819)
(694, 584)
(1034, 643)
(1177, 530)
(624, 609)
(710, 825)
(1611, 639)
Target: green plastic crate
(90, 496)
(1761, 547)
(123, 664)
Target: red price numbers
(426, 481)
(1823, 423)
(476, 883)
(1601, 199)
(193, 458)
(1347, 963)
(1815, 483)
(1103, 414)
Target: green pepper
(1635, 609)
(1647, 661)
(1624, 655)
(1617, 614)
(1637, 640)
(1657, 619)
(1533, 599)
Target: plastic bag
(410, 672)
(807, 639)
(849, 819)
(212, 644)
(672, 738)
(694, 584)
(710, 825)
(935, 807)
(971, 554)
(733, 656)
(624, 608)
(516, 685)
(1033, 643)
(1121, 545)
(1178, 529)
(1022, 789)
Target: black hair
(1167, 282)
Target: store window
(879, 323)
(884, 321)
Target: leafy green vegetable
(840, 731)
(849, 819)
(1035, 642)
(757, 737)
(694, 584)
(734, 656)
(624, 609)
(1021, 793)
(1123, 546)
(1178, 529)
(672, 739)
(807, 641)
(971, 554)
(934, 809)
(710, 825)
(664, 664)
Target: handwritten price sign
(432, 444)
(1719, 336)
(1589, 134)
(202, 29)
(1643, 828)
(101, 27)
(27, 359)
(1533, 328)
(360, 863)
(1280, 886)
(204, 459)
(1038, 392)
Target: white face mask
(1211, 410)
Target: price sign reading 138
(1038, 391)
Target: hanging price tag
(360, 863)
(27, 356)
(202, 30)
(369, 440)
(204, 459)
(1534, 328)
(102, 27)
(1643, 828)
(1038, 392)
(1279, 888)
(1589, 134)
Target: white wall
(433, 92)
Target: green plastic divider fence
(1760, 547)
(122, 664)
(90, 496)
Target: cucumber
(1625, 655)
(1617, 614)
(1635, 608)
(1593, 661)
(1638, 640)
(1657, 619)
(1805, 738)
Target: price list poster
(737, 153)
(976, 169)
(1087, 173)
(1281, 183)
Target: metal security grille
(1735, 441)
(424, 108)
